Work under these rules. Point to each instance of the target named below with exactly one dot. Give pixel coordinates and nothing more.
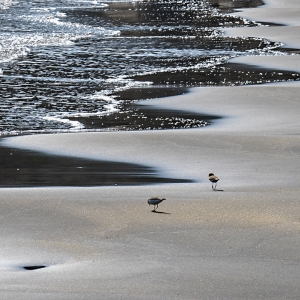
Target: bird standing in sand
(213, 179)
(155, 201)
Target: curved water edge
(66, 68)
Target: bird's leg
(212, 185)
(216, 185)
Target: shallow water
(77, 65)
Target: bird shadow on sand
(160, 212)
(218, 190)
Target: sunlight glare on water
(66, 64)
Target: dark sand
(21, 168)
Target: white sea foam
(52, 31)
(5, 4)
(49, 17)
(75, 125)
(109, 106)
(57, 80)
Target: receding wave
(67, 66)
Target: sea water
(78, 65)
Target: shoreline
(57, 108)
(199, 150)
(104, 242)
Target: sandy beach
(238, 242)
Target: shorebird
(155, 201)
(213, 179)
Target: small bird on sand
(155, 201)
(213, 179)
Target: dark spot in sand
(30, 268)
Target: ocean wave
(68, 64)
(51, 29)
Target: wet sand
(239, 242)
(23, 168)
